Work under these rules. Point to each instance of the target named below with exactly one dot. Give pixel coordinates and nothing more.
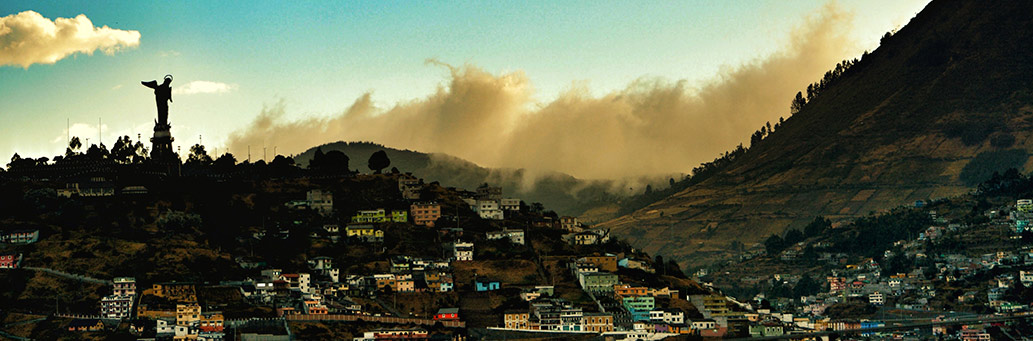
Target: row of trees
(775, 243)
(127, 152)
(708, 169)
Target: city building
(321, 201)
(425, 213)
(462, 251)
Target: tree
(378, 161)
(774, 244)
(317, 158)
(226, 161)
(793, 236)
(797, 104)
(659, 265)
(97, 153)
(335, 160)
(73, 147)
(198, 156)
(817, 226)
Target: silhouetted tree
(225, 162)
(97, 153)
(73, 147)
(797, 104)
(793, 236)
(317, 157)
(378, 161)
(817, 226)
(335, 160)
(198, 156)
(774, 244)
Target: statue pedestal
(161, 144)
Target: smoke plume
(653, 126)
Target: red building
(447, 314)
(10, 260)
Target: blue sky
(318, 57)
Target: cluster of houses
(865, 281)
(12, 259)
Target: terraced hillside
(939, 106)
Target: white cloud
(203, 87)
(28, 38)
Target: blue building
(485, 284)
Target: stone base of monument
(161, 148)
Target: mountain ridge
(903, 124)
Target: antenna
(100, 130)
(249, 153)
(199, 139)
(263, 154)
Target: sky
(244, 70)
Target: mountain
(563, 193)
(937, 108)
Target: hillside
(564, 193)
(934, 110)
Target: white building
(669, 316)
(1026, 277)
(515, 236)
(489, 209)
(875, 298)
(116, 307)
(510, 204)
(462, 251)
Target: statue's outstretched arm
(151, 84)
(170, 94)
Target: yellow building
(365, 232)
(370, 216)
(181, 292)
(598, 322)
(211, 322)
(399, 216)
(516, 319)
(188, 314)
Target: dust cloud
(651, 127)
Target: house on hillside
(447, 314)
(590, 237)
(10, 260)
(489, 209)
(462, 251)
(399, 216)
(598, 282)
(570, 224)
(509, 204)
(370, 216)
(365, 233)
(486, 284)
(85, 325)
(425, 213)
(322, 202)
(26, 236)
(515, 236)
(410, 187)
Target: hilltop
(561, 192)
(939, 106)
